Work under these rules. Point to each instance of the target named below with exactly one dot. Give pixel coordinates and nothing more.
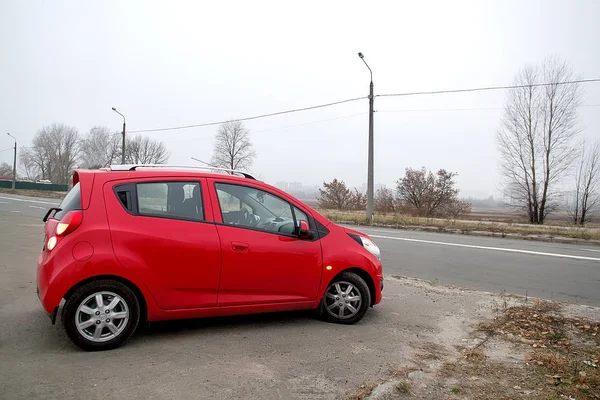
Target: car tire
(346, 299)
(108, 325)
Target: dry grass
(397, 374)
(363, 391)
(561, 354)
(477, 377)
(35, 193)
(467, 226)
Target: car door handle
(239, 246)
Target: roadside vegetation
(35, 193)
(465, 226)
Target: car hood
(355, 232)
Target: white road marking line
(470, 246)
(29, 201)
(15, 211)
(3, 202)
(41, 208)
(598, 251)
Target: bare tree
(143, 150)
(335, 195)
(100, 148)
(424, 194)
(233, 148)
(536, 139)
(587, 183)
(6, 169)
(53, 153)
(358, 201)
(384, 201)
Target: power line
(250, 118)
(440, 109)
(460, 109)
(276, 129)
(10, 148)
(312, 122)
(481, 89)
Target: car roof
(135, 167)
(149, 170)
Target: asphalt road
(551, 271)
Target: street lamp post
(14, 182)
(370, 194)
(123, 144)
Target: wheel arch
(136, 290)
(364, 275)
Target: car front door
(159, 229)
(263, 260)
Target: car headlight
(368, 245)
(371, 247)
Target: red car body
(188, 269)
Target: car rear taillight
(68, 224)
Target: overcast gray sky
(176, 63)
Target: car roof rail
(133, 167)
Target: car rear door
(159, 229)
(262, 261)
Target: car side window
(179, 200)
(249, 207)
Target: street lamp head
(114, 109)
(361, 55)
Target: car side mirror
(304, 230)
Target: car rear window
(72, 201)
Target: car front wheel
(101, 315)
(346, 299)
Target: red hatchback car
(145, 243)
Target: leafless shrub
(421, 193)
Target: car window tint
(180, 200)
(72, 201)
(254, 208)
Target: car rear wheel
(101, 315)
(346, 299)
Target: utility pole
(370, 173)
(14, 181)
(123, 143)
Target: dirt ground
(528, 349)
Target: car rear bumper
(52, 315)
